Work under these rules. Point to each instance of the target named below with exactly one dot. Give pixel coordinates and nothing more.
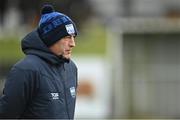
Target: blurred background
(127, 53)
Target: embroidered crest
(73, 92)
(70, 29)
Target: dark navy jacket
(41, 85)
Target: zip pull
(64, 66)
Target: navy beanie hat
(54, 25)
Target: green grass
(89, 41)
(10, 49)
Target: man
(43, 84)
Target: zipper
(62, 68)
(64, 87)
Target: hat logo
(70, 29)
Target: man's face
(63, 47)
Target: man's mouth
(68, 51)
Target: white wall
(94, 70)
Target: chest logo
(73, 92)
(55, 96)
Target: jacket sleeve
(16, 93)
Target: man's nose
(72, 41)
